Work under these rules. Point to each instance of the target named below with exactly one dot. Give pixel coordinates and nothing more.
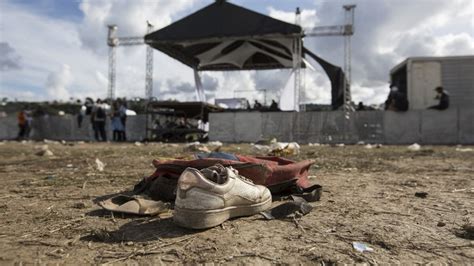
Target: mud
(47, 214)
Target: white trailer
(419, 76)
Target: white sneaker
(213, 195)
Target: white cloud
(386, 33)
(129, 16)
(9, 59)
(309, 17)
(58, 82)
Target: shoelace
(240, 176)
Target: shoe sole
(202, 219)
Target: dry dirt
(47, 214)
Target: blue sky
(56, 49)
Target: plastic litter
(314, 144)
(137, 143)
(464, 149)
(100, 165)
(297, 207)
(196, 146)
(215, 143)
(414, 147)
(361, 247)
(421, 194)
(44, 151)
(284, 149)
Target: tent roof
(224, 36)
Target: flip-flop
(134, 205)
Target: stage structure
(225, 37)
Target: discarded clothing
(268, 171)
(298, 206)
(217, 155)
(134, 205)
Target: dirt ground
(47, 214)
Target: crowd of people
(99, 111)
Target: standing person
(98, 117)
(443, 98)
(123, 117)
(29, 122)
(22, 124)
(117, 126)
(81, 115)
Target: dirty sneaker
(213, 195)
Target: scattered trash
(50, 177)
(441, 224)
(414, 147)
(215, 143)
(138, 144)
(134, 205)
(361, 143)
(361, 247)
(81, 142)
(44, 151)
(284, 149)
(100, 165)
(193, 147)
(464, 149)
(368, 146)
(298, 207)
(340, 145)
(462, 190)
(310, 194)
(79, 205)
(314, 144)
(378, 146)
(69, 166)
(266, 141)
(421, 194)
(278, 148)
(261, 148)
(466, 231)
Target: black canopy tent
(223, 36)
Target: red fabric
(265, 170)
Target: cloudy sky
(56, 49)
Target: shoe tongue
(216, 174)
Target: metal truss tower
(346, 30)
(149, 67)
(297, 63)
(113, 42)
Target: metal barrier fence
(453, 126)
(66, 128)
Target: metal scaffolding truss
(346, 30)
(113, 42)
